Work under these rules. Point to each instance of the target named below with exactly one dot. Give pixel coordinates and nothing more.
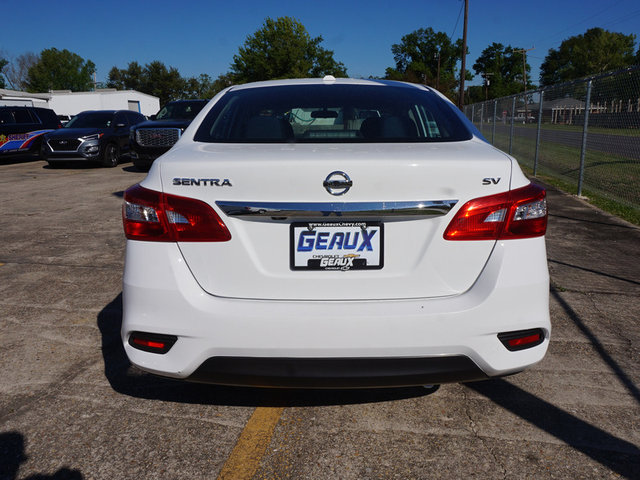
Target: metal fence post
(493, 121)
(513, 115)
(473, 113)
(535, 160)
(584, 137)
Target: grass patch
(625, 132)
(610, 182)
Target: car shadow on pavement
(594, 222)
(12, 455)
(590, 270)
(597, 345)
(128, 380)
(618, 455)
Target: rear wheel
(110, 155)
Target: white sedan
(334, 233)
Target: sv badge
(490, 181)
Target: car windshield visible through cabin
(91, 120)
(180, 110)
(332, 114)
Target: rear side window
(6, 117)
(47, 117)
(23, 116)
(330, 114)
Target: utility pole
(524, 77)
(438, 77)
(487, 81)
(463, 72)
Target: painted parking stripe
(254, 440)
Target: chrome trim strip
(427, 208)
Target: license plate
(337, 245)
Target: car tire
(110, 155)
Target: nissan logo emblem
(337, 183)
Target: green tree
(153, 79)
(129, 79)
(162, 82)
(417, 57)
(502, 67)
(199, 87)
(596, 51)
(60, 70)
(283, 48)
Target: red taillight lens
(160, 217)
(519, 213)
(521, 339)
(152, 342)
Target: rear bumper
(336, 372)
(336, 343)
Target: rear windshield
(332, 113)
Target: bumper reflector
(521, 339)
(152, 342)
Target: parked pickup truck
(148, 140)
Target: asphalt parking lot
(71, 406)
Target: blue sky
(203, 36)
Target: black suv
(151, 139)
(100, 136)
(21, 130)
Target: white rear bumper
(161, 296)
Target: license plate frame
(364, 251)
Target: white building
(65, 102)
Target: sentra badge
(204, 182)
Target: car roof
(329, 80)
(194, 100)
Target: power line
(556, 37)
(456, 26)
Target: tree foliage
(283, 48)
(16, 72)
(3, 63)
(416, 58)
(153, 79)
(596, 51)
(165, 83)
(126, 79)
(502, 66)
(60, 70)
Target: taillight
(160, 217)
(519, 213)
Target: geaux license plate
(337, 245)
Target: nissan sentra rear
(334, 233)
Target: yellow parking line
(254, 440)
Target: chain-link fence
(584, 133)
